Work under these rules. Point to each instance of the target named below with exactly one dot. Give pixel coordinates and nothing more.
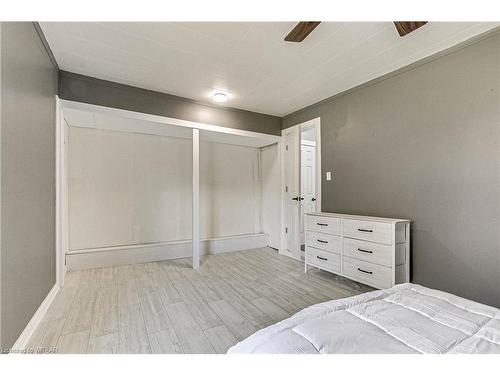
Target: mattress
(406, 319)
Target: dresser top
(358, 217)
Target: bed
(406, 318)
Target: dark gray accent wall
(28, 89)
(425, 145)
(91, 90)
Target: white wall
(271, 199)
(127, 189)
(229, 190)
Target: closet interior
(139, 188)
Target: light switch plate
(328, 176)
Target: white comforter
(407, 318)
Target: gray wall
(424, 145)
(111, 94)
(28, 87)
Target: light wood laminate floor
(167, 307)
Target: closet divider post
(196, 200)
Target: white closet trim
(142, 253)
(196, 200)
(157, 124)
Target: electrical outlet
(328, 176)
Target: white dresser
(372, 250)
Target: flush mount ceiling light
(219, 97)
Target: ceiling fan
(303, 29)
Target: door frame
(316, 123)
(313, 123)
(61, 195)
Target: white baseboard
(30, 328)
(112, 256)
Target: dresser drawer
(368, 251)
(367, 273)
(323, 259)
(323, 241)
(368, 230)
(323, 224)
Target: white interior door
(271, 194)
(307, 184)
(291, 163)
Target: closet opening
(136, 188)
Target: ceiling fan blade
(301, 31)
(404, 28)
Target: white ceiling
(250, 61)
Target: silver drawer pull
(322, 224)
(321, 258)
(322, 241)
(359, 269)
(365, 230)
(365, 251)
